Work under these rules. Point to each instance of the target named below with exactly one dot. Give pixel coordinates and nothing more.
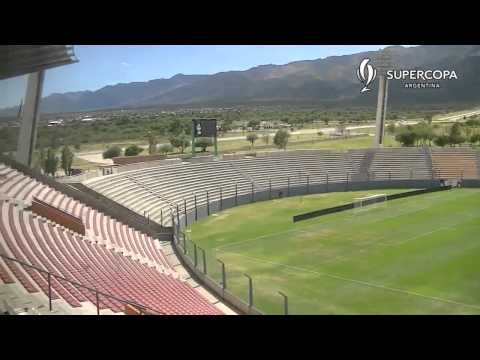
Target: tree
(475, 138)
(112, 152)
(51, 162)
(226, 125)
(175, 127)
(341, 128)
(165, 149)
(281, 139)
(251, 138)
(428, 118)
(76, 143)
(55, 140)
(455, 135)
(133, 150)
(406, 138)
(67, 160)
(180, 142)
(391, 128)
(42, 158)
(441, 140)
(254, 124)
(152, 143)
(203, 143)
(424, 132)
(266, 139)
(473, 123)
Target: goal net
(378, 200)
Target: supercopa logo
(411, 78)
(366, 73)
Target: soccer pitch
(416, 255)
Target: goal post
(362, 202)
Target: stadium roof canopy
(16, 60)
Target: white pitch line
(365, 283)
(333, 221)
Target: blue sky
(101, 65)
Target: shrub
(133, 150)
(180, 142)
(251, 138)
(112, 152)
(165, 149)
(441, 140)
(281, 139)
(203, 143)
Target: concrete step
(15, 300)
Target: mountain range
(332, 79)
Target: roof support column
(30, 116)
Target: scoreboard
(205, 128)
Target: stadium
(361, 231)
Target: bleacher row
(157, 191)
(112, 257)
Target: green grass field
(417, 255)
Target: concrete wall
(216, 206)
(125, 160)
(147, 164)
(471, 183)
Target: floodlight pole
(250, 290)
(285, 302)
(383, 63)
(193, 138)
(30, 118)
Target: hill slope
(329, 79)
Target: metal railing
(194, 258)
(144, 310)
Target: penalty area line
(365, 283)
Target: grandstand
(455, 163)
(409, 163)
(156, 192)
(125, 265)
(130, 267)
